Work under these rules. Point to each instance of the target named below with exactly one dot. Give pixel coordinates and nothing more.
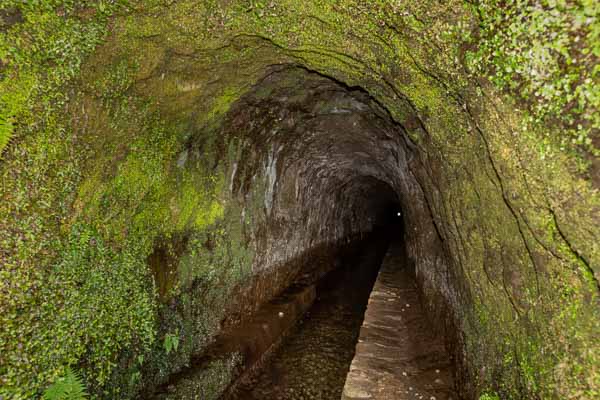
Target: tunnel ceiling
(239, 139)
(330, 154)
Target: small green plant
(171, 342)
(68, 387)
(489, 396)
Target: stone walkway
(397, 356)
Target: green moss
(139, 164)
(221, 103)
(39, 53)
(34, 208)
(546, 55)
(101, 305)
(209, 383)
(13, 103)
(43, 51)
(101, 257)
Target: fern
(69, 387)
(14, 95)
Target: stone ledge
(397, 355)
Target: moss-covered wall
(113, 155)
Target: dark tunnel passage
(333, 176)
(330, 160)
(313, 360)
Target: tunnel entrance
(178, 177)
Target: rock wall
(160, 156)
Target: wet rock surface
(240, 349)
(398, 355)
(312, 362)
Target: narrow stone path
(397, 355)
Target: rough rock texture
(160, 156)
(398, 355)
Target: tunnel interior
(333, 165)
(330, 176)
(324, 181)
(331, 161)
(317, 165)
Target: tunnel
(329, 172)
(333, 161)
(192, 190)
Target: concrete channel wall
(249, 344)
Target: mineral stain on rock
(163, 262)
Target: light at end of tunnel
(399, 213)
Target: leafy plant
(69, 387)
(171, 342)
(489, 396)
